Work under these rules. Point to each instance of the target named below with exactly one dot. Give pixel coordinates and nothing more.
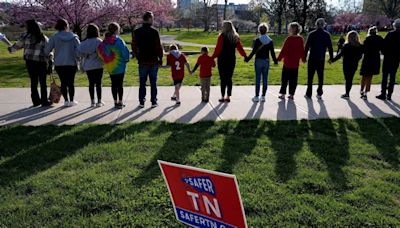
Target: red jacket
(292, 52)
(220, 42)
(206, 64)
(177, 66)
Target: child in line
(291, 54)
(352, 53)
(206, 64)
(115, 55)
(177, 61)
(92, 63)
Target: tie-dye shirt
(115, 54)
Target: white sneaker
(100, 104)
(93, 105)
(73, 103)
(256, 99)
(66, 104)
(263, 99)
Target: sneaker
(282, 97)
(255, 99)
(345, 96)
(141, 105)
(121, 105)
(66, 104)
(389, 97)
(100, 104)
(221, 100)
(227, 100)
(291, 97)
(154, 105)
(73, 103)
(364, 97)
(262, 99)
(319, 97)
(93, 105)
(381, 97)
(173, 98)
(362, 93)
(178, 103)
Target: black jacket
(371, 63)
(391, 49)
(146, 45)
(263, 53)
(351, 56)
(317, 42)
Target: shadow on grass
(183, 141)
(329, 144)
(47, 146)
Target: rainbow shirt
(115, 54)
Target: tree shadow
(330, 145)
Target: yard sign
(203, 198)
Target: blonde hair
(296, 27)
(229, 31)
(353, 38)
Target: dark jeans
(37, 73)
(289, 76)
(388, 72)
(226, 69)
(349, 76)
(95, 77)
(148, 71)
(67, 78)
(262, 69)
(117, 86)
(315, 65)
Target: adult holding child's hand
(225, 51)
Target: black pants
(388, 72)
(289, 76)
(349, 76)
(67, 78)
(226, 69)
(315, 65)
(95, 77)
(117, 86)
(37, 73)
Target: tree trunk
(205, 16)
(226, 4)
(304, 13)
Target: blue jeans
(262, 68)
(150, 71)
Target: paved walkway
(14, 107)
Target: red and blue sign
(203, 198)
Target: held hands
(50, 68)
(330, 61)
(246, 59)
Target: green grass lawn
(310, 173)
(14, 74)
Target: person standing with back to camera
(317, 42)
(147, 48)
(228, 42)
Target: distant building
(231, 8)
(186, 4)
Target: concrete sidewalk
(15, 107)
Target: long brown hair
(229, 31)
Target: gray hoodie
(64, 44)
(87, 50)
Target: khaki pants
(205, 88)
